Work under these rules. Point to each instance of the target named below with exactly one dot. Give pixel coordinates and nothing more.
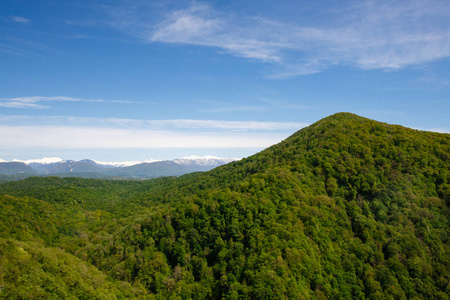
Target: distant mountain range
(93, 169)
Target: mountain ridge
(347, 208)
(151, 169)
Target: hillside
(346, 208)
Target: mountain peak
(343, 117)
(343, 114)
(343, 122)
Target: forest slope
(345, 208)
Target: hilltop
(346, 208)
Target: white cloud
(24, 102)
(132, 124)
(366, 35)
(19, 19)
(34, 101)
(60, 132)
(187, 25)
(200, 25)
(58, 137)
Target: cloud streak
(35, 102)
(367, 35)
(25, 47)
(132, 124)
(19, 19)
(60, 132)
(56, 137)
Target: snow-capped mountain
(125, 163)
(203, 161)
(129, 169)
(67, 166)
(41, 161)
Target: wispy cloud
(61, 132)
(233, 125)
(434, 81)
(36, 101)
(137, 124)
(26, 47)
(16, 50)
(367, 35)
(19, 19)
(57, 137)
(199, 24)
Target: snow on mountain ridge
(203, 161)
(42, 161)
(208, 160)
(126, 163)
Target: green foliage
(32, 271)
(347, 208)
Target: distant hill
(168, 168)
(69, 166)
(14, 168)
(91, 169)
(347, 208)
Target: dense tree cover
(32, 271)
(8, 178)
(346, 208)
(121, 197)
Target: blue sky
(135, 80)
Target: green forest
(347, 208)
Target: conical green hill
(347, 208)
(347, 155)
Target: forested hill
(347, 208)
